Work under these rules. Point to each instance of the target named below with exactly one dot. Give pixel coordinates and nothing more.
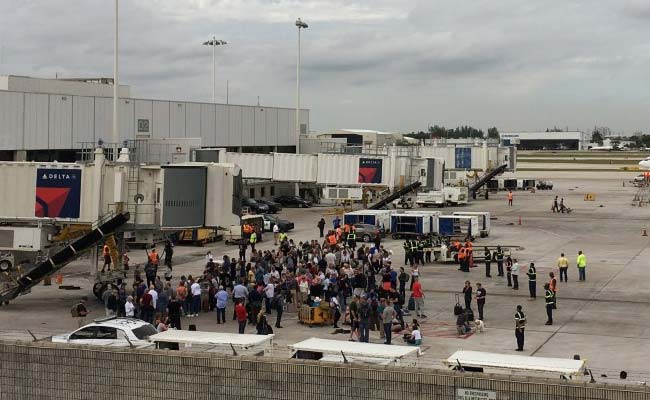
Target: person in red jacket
(418, 297)
(242, 316)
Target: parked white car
(111, 331)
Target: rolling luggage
(458, 309)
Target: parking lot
(602, 319)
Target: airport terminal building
(52, 119)
(574, 140)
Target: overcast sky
(374, 64)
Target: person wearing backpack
(80, 311)
(364, 320)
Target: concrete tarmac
(604, 320)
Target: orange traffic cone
(645, 232)
(520, 220)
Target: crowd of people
(359, 283)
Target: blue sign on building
(463, 158)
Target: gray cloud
(383, 64)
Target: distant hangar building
(573, 140)
(50, 119)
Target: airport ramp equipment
(395, 195)
(102, 228)
(485, 179)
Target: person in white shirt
(154, 296)
(276, 233)
(515, 275)
(269, 292)
(129, 308)
(195, 289)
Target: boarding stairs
(485, 178)
(396, 195)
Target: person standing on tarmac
(107, 257)
(498, 256)
(467, 292)
(520, 327)
(407, 252)
(532, 281)
(549, 304)
(510, 197)
(552, 284)
(480, 299)
(515, 275)
(582, 266)
(488, 261)
(563, 265)
(321, 226)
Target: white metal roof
(212, 338)
(353, 348)
(119, 322)
(507, 361)
(362, 360)
(369, 212)
(471, 213)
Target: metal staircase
(396, 195)
(485, 179)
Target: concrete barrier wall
(45, 371)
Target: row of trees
(461, 132)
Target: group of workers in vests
(418, 251)
(343, 234)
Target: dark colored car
(293, 201)
(283, 224)
(274, 207)
(257, 208)
(367, 233)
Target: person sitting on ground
(263, 327)
(415, 336)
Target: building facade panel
(271, 115)
(208, 127)
(193, 120)
(11, 120)
(103, 118)
(36, 121)
(160, 121)
(177, 119)
(222, 125)
(83, 120)
(284, 127)
(60, 122)
(260, 127)
(248, 126)
(127, 121)
(234, 126)
(143, 118)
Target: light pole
(214, 43)
(300, 25)
(116, 120)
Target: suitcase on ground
(458, 309)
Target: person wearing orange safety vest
(107, 257)
(462, 255)
(510, 197)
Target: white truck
(448, 196)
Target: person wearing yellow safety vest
(252, 240)
(282, 237)
(563, 265)
(582, 266)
